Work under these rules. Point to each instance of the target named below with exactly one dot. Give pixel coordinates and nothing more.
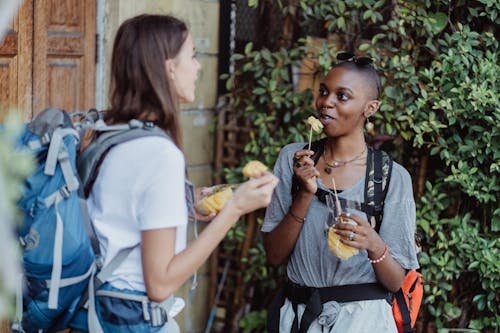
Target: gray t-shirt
(311, 263)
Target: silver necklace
(337, 163)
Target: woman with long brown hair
(138, 199)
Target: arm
(165, 272)
(279, 243)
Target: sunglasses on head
(351, 57)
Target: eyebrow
(323, 85)
(345, 88)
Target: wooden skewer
(337, 202)
(310, 138)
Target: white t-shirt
(140, 186)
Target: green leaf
(439, 21)
(253, 3)
(248, 47)
(341, 23)
(363, 47)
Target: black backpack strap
(378, 175)
(273, 313)
(377, 180)
(405, 313)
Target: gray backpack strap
(89, 160)
(96, 282)
(155, 313)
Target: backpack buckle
(99, 262)
(378, 180)
(134, 123)
(45, 139)
(64, 191)
(158, 315)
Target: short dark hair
(140, 86)
(369, 72)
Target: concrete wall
(202, 17)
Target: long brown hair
(140, 86)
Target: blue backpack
(60, 252)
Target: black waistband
(314, 298)
(346, 293)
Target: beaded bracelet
(297, 218)
(376, 261)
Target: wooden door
(16, 63)
(48, 57)
(64, 54)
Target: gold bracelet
(297, 218)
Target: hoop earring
(370, 128)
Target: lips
(324, 118)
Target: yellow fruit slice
(316, 125)
(254, 168)
(338, 248)
(214, 202)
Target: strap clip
(64, 191)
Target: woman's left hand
(360, 236)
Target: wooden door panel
(16, 63)
(65, 13)
(65, 79)
(8, 71)
(64, 54)
(8, 84)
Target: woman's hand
(199, 193)
(253, 194)
(360, 236)
(304, 170)
(200, 216)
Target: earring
(369, 127)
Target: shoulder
(399, 172)
(286, 154)
(400, 185)
(150, 146)
(150, 151)
(291, 148)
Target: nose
(327, 101)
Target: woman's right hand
(305, 171)
(253, 194)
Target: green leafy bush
(439, 65)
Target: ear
(371, 107)
(170, 68)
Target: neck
(342, 149)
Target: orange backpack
(407, 301)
